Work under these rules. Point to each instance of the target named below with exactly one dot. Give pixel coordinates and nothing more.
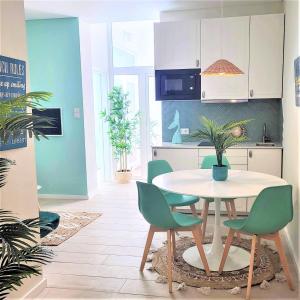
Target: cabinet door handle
(197, 63)
(203, 94)
(251, 93)
(250, 154)
(154, 153)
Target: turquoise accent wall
(267, 111)
(54, 63)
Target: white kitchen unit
(267, 161)
(177, 45)
(266, 56)
(225, 38)
(179, 159)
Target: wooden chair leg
(228, 209)
(283, 260)
(147, 247)
(170, 259)
(204, 215)
(250, 274)
(258, 251)
(193, 209)
(234, 215)
(197, 233)
(226, 249)
(174, 244)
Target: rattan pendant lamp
(222, 67)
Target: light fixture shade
(222, 67)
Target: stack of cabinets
(226, 38)
(177, 45)
(254, 44)
(266, 56)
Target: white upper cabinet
(177, 45)
(225, 38)
(266, 56)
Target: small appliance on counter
(182, 84)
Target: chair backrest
(154, 207)
(210, 160)
(271, 211)
(157, 167)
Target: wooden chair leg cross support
(256, 242)
(197, 233)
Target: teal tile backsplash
(262, 111)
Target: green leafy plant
(122, 126)
(220, 135)
(20, 254)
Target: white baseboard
(36, 290)
(63, 197)
(291, 251)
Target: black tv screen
(55, 114)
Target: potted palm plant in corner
(221, 137)
(20, 253)
(121, 130)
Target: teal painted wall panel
(54, 63)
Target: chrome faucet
(265, 138)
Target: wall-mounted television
(55, 114)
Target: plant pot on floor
(220, 173)
(123, 176)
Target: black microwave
(182, 84)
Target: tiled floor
(101, 261)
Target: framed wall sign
(297, 80)
(12, 85)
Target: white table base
(238, 258)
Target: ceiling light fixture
(222, 67)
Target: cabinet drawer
(228, 152)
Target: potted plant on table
(221, 137)
(122, 127)
(21, 254)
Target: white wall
(291, 118)
(20, 193)
(230, 9)
(88, 107)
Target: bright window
(133, 44)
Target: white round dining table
(199, 182)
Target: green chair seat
(235, 224)
(180, 200)
(271, 211)
(184, 220)
(158, 167)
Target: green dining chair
(271, 211)
(158, 167)
(208, 163)
(156, 211)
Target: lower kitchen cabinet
(179, 159)
(267, 161)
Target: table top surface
(199, 182)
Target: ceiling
(118, 10)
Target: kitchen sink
(265, 144)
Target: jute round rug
(265, 269)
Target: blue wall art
(12, 85)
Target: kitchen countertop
(193, 145)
